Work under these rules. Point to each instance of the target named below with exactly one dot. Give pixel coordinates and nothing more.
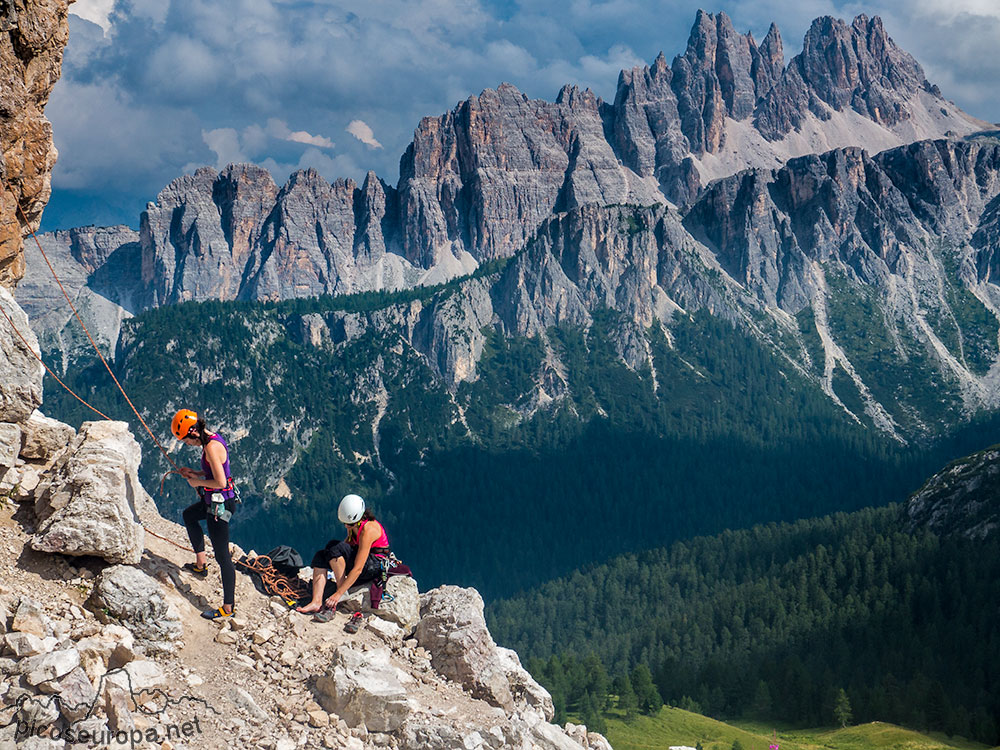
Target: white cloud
(301, 136)
(279, 129)
(225, 142)
(95, 11)
(363, 132)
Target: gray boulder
(90, 502)
(401, 606)
(44, 437)
(140, 604)
(523, 686)
(76, 695)
(452, 628)
(23, 644)
(51, 666)
(365, 689)
(10, 444)
(20, 370)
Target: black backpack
(286, 560)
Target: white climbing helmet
(352, 507)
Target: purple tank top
(225, 467)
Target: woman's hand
(188, 473)
(331, 601)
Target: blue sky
(152, 89)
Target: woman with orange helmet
(215, 506)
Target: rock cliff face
(728, 103)
(476, 182)
(866, 271)
(961, 498)
(33, 35)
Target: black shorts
(339, 548)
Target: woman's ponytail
(202, 432)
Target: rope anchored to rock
(176, 469)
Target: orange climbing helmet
(182, 423)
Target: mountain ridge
(476, 182)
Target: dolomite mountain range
(101, 643)
(726, 181)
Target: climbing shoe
(201, 572)
(354, 624)
(324, 615)
(217, 614)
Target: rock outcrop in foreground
(33, 35)
(100, 633)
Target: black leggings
(218, 532)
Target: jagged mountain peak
(477, 183)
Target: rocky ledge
(101, 638)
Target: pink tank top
(381, 542)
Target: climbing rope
(91, 338)
(107, 367)
(49, 369)
(275, 582)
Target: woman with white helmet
(357, 559)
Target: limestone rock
(389, 632)
(44, 437)
(51, 666)
(91, 501)
(32, 39)
(76, 695)
(550, 737)
(523, 686)
(403, 608)
(123, 654)
(364, 690)
(262, 635)
(116, 707)
(436, 736)
(10, 444)
(243, 700)
(23, 644)
(20, 370)
(29, 618)
(95, 655)
(38, 710)
(319, 719)
(452, 628)
(139, 603)
(137, 675)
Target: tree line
(774, 622)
